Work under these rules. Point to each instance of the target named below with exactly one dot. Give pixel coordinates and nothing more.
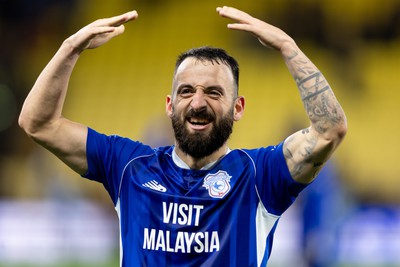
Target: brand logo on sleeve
(218, 184)
(155, 186)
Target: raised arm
(307, 150)
(41, 116)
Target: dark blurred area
(24, 25)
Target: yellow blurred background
(120, 88)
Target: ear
(238, 108)
(168, 106)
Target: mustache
(200, 114)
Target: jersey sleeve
(276, 187)
(107, 156)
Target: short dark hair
(213, 55)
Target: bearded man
(196, 203)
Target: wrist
(69, 48)
(289, 48)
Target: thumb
(118, 30)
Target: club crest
(218, 184)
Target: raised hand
(328, 123)
(100, 31)
(268, 35)
(41, 115)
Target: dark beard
(200, 145)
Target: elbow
(37, 126)
(32, 127)
(23, 122)
(342, 129)
(338, 132)
(332, 134)
(27, 125)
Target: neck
(198, 163)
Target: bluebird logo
(217, 184)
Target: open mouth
(200, 118)
(199, 121)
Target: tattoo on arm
(319, 101)
(304, 160)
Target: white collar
(181, 164)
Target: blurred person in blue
(197, 202)
(324, 207)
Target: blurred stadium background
(49, 216)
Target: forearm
(307, 150)
(44, 103)
(326, 115)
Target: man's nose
(198, 100)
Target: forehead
(203, 73)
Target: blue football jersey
(224, 215)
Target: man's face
(202, 106)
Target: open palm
(100, 31)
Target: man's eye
(185, 91)
(214, 93)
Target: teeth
(198, 121)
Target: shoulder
(113, 141)
(257, 158)
(269, 161)
(262, 152)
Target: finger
(99, 30)
(240, 27)
(233, 13)
(110, 30)
(119, 30)
(118, 20)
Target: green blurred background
(121, 87)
